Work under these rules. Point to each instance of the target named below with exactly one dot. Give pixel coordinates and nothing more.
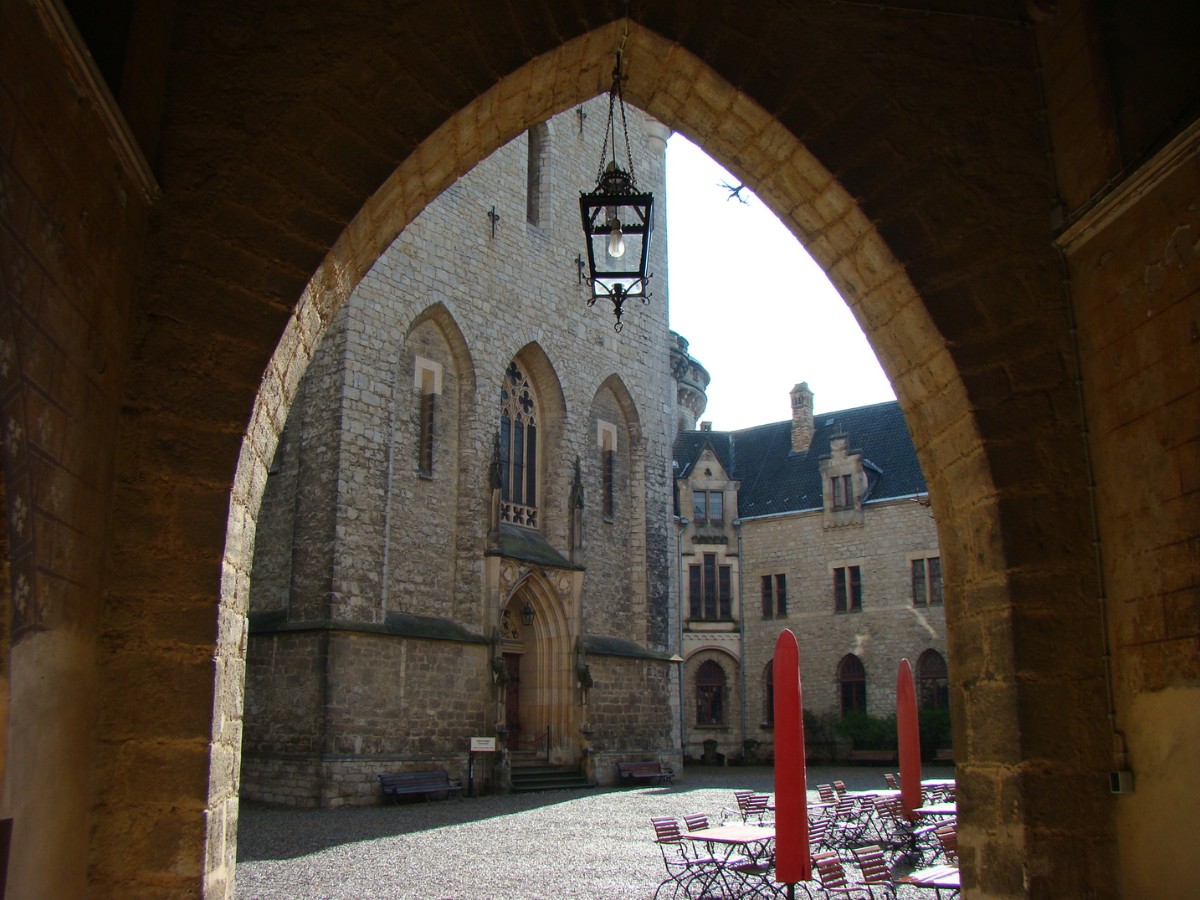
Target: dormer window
(708, 507)
(842, 487)
(845, 488)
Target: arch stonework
(134, 402)
(552, 651)
(679, 89)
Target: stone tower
(691, 384)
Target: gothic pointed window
(518, 449)
(852, 684)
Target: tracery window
(710, 691)
(518, 449)
(852, 684)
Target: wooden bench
(872, 756)
(631, 772)
(401, 784)
(943, 754)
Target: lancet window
(518, 449)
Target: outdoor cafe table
(937, 782)
(938, 810)
(744, 860)
(934, 878)
(882, 792)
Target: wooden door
(512, 699)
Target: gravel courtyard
(558, 844)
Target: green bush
(866, 732)
(935, 730)
(819, 742)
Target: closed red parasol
(908, 733)
(793, 859)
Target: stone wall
(354, 532)
(628, 712)
(1137, 298)
(800, 546)
(887, 629)
(73, 214)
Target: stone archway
(943, 409)
(546, 650)
(162, 378)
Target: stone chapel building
(465, 526)
(820, 524)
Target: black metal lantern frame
(617, 219)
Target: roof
(775, 480)
(530, 546)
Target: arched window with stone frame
(710, 693)
(852, 684)
(933, 681)
(518, 449)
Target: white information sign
(483, 745)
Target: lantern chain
(615, 94)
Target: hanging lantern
(617, 219)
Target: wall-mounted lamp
(527, 613)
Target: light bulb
(616, 240)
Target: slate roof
(774, 480)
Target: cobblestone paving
(558, 844)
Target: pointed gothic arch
(547, 661)
(810, 201)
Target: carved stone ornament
(508, 576)
(562, 581)
(509, 631)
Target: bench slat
(647, 771)
(435, 782)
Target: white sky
(758, 313)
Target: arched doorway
(536, 711)
(517, 636)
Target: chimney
(802, 417)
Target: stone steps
(530, 777)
